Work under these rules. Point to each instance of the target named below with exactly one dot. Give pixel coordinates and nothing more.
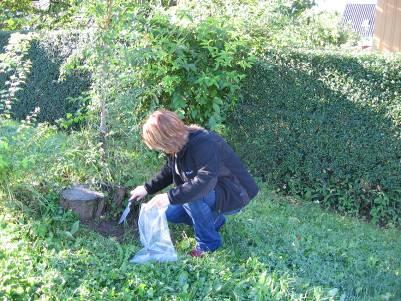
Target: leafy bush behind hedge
(44, 88)
(326, 126)
(194, 70)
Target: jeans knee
(170, 216)
(176, 214)
(173, 215)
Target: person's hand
(138, 194)
(160, 200)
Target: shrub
(190, 57)
(193, 70)
(23, 14)
(14, 14)
(161, 61)
(276, 22)
(325, 126)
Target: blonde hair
(164, 130)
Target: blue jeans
(202, 215)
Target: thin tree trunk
(104, 76)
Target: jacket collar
(192, 138)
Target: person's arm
(206, 158)
(161, 180)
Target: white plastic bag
(155, 236)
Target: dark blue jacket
(206, 162)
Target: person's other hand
(138, 193)
(160, 200)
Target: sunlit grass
(274, 250)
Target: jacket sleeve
(161, 180)
(206, 160)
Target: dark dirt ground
(111, 229)
(108, 226)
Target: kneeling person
(210, 180)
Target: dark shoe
(196, 253)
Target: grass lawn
(276, 249)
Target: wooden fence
(387, 32)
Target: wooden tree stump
(119, 194)
(86, 203)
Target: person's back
(233, 178)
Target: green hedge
(326, 126)
(43, 87)
(4, 37)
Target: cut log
(86, 203)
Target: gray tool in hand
(126, 211)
